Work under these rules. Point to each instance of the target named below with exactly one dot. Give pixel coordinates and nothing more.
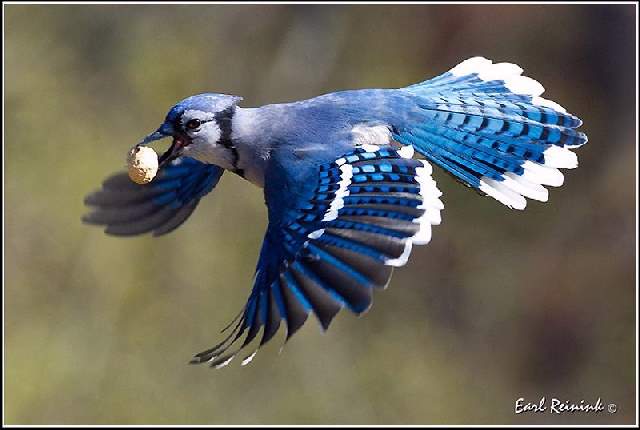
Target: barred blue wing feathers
(127, 209)
(365, 212)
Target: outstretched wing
(331, 240)
(128, 209)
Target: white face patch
(209, 131)
(205, 140)
(371, 138)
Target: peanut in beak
(142, 164)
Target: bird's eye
(193, 124)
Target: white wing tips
(249, 358)
(402, 260)
(432, 206)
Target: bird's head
(200, 126)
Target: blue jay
(346, 197)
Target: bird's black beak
(179, 142)
(156, 135)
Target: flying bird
(347, 195)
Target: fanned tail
(487, 125)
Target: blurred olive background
(500, 305)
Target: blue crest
(206, 102)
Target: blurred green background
(500, 305)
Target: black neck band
(224, 119)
